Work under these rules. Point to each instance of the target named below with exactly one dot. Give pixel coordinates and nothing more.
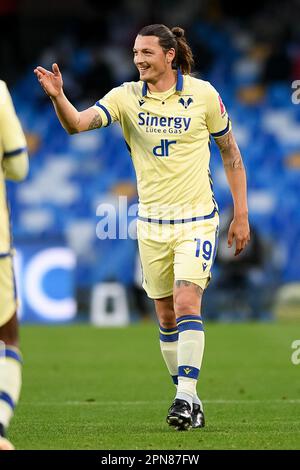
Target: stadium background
(108, 388)
(251, 56)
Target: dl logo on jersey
(45, 283)
(162, 150)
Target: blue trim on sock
(188, 317)
(168, 330)
(7, 398)
(188, 372)
(12, 354)
(168, 335)
(168, 338)
(190, 322)
(175, 379)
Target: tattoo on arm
(230, 152)
(197, 288)
(224, 142)
(95, 122)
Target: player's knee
(9, 333)
(165, 312)
(185, 304)
(167, 322)
(166, 317)
(10, 340)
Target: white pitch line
(145, 403)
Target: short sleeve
(110, 106)
(217, 119)
(12, 135)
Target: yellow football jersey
(168, 137)
(13, 160)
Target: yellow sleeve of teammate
(12, 139)
(217, 120)
(109, 107)
(16, 169)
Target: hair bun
(178, 32)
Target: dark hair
(172, 38)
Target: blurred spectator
(10, 40)
(240, 282)
(98, 80)
(278, 65)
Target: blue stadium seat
(96, 161)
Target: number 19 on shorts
(205, 248)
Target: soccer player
(14, 166)
(167, 118)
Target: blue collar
(179, 84)
(145, 88)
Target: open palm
(51, 82)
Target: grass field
(87, 388)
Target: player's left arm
(236, 177)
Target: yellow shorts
(183, 251)
(8, 300)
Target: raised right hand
(51, 83)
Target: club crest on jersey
(185, 103)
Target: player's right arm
(14, 161)
(72, 120)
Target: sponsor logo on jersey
(150, 120)
(162, 150)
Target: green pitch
(88, 388)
